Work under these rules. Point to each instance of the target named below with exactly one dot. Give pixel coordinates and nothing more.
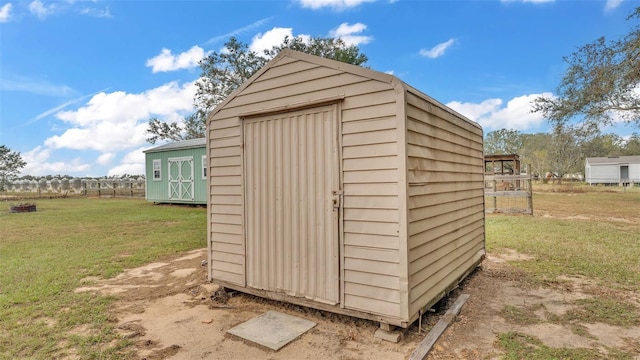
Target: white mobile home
(612, 170)
(341, 188)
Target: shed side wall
(604, 174)
(370, 166)
(445, 169)
(634, 173)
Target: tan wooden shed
(344, 189)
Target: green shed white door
(291, 167)
(181, 178)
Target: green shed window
(204, 167)
(156, 170)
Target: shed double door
(292, 203)
(181, 178)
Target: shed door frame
(331, 203)
(182, 186)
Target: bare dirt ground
(167, 310)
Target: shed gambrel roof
(613, 160)
(179, 145)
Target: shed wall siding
(226, 208)
(446, 199)
(610, 173)
(605, 173)
(634, 172)
(369, 174)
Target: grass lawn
(577, 231)
(45, 254)
(593, 234)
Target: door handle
(337, 194)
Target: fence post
(530, 184)
(495, 197)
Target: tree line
(559, 152)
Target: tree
(603, 145)
(10, 164)
(566, 154)
(225, 71)
(503, 141)
(632, 145)
(193, 128)
(329, 48)
(601, 83)
(535, 152)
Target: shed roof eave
(444, 107)
(613, 160)
(179, 145)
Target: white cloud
(475, 111)
(346, 29)
(275, 36)
(99, 13)
(132, 163)
(166, 61)
(56, 109)
(5, 13)
(437, 50)
(105, 158)
(493, 114)
(347, 33)
(612, 4)
(41, 10)
(269, 39)
(118, 120)
(338, 5)
(131, 169)
(37, 164)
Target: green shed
(177, 172)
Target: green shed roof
(179, 145)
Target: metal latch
(336, 198)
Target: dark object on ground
(22, 208)
(220, 296)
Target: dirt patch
(166, 308)
(498, 286)
(509, 255)
(562, 215)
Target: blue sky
(79, 80)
